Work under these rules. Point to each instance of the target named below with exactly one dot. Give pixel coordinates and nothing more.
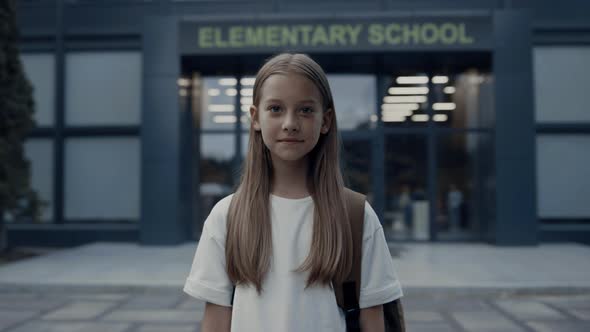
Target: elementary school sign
(381, 34)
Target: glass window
(465, 185)
(562, 176)
(40, 153)
(103, 88)
(406, 199)
(457, 101)
(471, 103)
(218, 101)
(245, 142)
(354, 99)
(356, 157)
(216, 171)
(40, 70)
(562, 78)
(247, 83)
(102, 178)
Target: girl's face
(290, 116)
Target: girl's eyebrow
(274, 100)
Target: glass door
(407, 206)
(438, 155)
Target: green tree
(17, 199)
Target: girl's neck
(290, 179)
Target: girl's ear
(254, 118)
(327, 120)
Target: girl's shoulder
(216, 222)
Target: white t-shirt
(284, 305)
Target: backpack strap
(348, 293)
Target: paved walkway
(169, 310)
(448, 287)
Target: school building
(462, 120)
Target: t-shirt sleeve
(379, 281)
(208, 280)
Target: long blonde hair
(248, 247)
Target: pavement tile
(167, 328)
(428, 327)
(30, 303)
(176, 316)
(47, 326)
(529, 310)
(98, 297)
(191, 303)
(152, 301)
(441, 302)
(79, 310)
(12, 317)
(583, 314)
(485, 321)
(566, 302)
(560, 326)
(423, 316)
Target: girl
(283, 236)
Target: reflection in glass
(474, 101)
(245, 141)
(562, 77)
(103, 88)
(218, 101)
(454, 101)
(464, 184)
(102, 178)
(354, 99)
(405, 103)
(40, 69)
(216, 170)
(356, 160)
(40, 153)
(563, 165)
(406, 213)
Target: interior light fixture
(221, 108)
(420, 117)
(408, 90)
(184, 82)
(395, 114)
(404, 99)
(444, 106)
(224, 119)
(247, 81)
(393, 118)
(412, 80)
(247, 92)
(440, 79)
(449, 90)
(228, 81)
(400, 107)
(440, 117)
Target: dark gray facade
(167, 202)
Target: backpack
(348, 293)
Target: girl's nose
(291, 122)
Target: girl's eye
(274, 108)
(307, 110)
